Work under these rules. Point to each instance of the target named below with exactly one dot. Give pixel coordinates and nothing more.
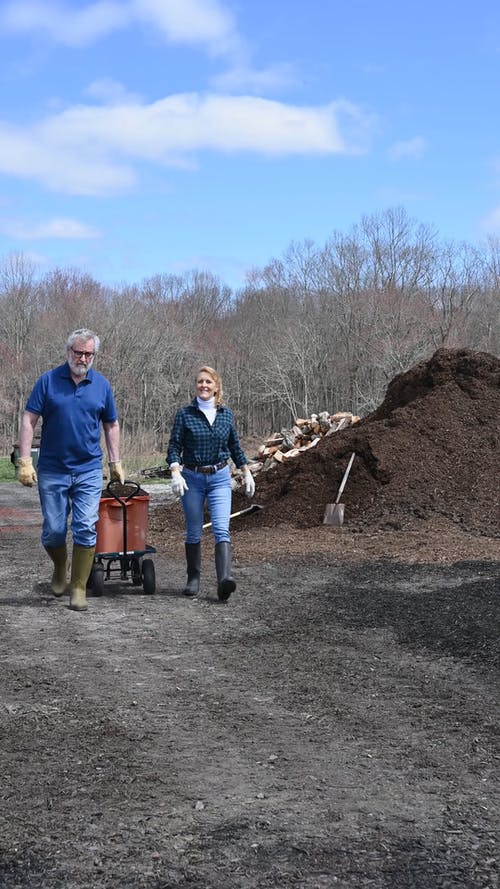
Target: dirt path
(334, 725)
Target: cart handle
(123, 500)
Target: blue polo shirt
(71, 418)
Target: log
(289, 455)
(268, 452)
(289, 440)
(333, 428)
(310, 444)
(344, 423)
(304, 434)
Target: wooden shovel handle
(345, 476)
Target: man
(73, 400)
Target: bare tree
(484, 323)
(19, 346)
(320, 328)
(457, 286)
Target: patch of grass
(133, 466)
(7, 471)
(153, 480)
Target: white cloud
(244, 77)
(190, 21)
(59, 228)
(93, 149)
(36, 154)
(205, 23)
(64, 24)
(412, 148)
(190, 122)
(111, 91)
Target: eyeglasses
(78, 354)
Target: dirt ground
(335, 724)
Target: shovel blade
(334, 514)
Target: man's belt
(206, 470)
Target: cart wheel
(135, 571)
(97, 580)
(148, 576)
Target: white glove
(249, 482)
(178, 485)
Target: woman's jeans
(60, 493)
(216, 490)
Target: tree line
(323, 327)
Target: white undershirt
(208, 408)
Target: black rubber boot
(226, 584)
(193, 560)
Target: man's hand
(116, 473)
(248, 481)
(178, 485)
(26, 471)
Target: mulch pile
(432, 448)
(430, 451)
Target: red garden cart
(121, 546)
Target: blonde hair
(215, 377)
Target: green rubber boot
(59, 556)
(81, 566)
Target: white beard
(79, 370)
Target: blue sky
(140, 137)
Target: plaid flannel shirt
(195, 442)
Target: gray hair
(83, 334)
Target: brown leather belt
(207, 470)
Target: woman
(203, 439)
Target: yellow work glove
(26, 471)
(116, 473)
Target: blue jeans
(62, 493)
(216, 490)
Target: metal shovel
(255, 507)
(334, 512)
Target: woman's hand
(249, 482)
(178, 484)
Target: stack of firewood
(281, 446)
(304, 434)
